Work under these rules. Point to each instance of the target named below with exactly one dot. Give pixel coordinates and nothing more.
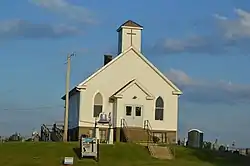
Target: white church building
(130, 89)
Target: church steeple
(129, 34)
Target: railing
(124, 126)
(171, 147)
(148, 128)
(51, 132)
(58, 132)
(45, 133)
(150, 142)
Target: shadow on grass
(77, 151)
(218, 158)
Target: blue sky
(202, 46)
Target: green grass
(51, 154)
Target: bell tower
(129, 34)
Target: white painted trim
(176, 93)
(142, 108)
(80, 88)
(93, 102)
(159, 107)
(176, 90)
(133, 113)
(149, 98)
(130, 27)
(125, 111)
(195, 130)
(135, 82)
(118, 96)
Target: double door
(134, 115)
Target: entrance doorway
(134, 115)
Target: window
(97, 105)
(128, 110)
(159, 108)
(161, 137)
(137, 111)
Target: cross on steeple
(131, 36)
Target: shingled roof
(130, 23)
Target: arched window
(159, 108)
(98, 104)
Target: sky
(201, 46)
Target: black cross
(131, 36)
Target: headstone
(68, 161)
(185, 142)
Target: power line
(32, 108)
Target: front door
(133, 115)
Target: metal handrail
(58, 131)
(124, 125)
(46, 133)
(148, 127)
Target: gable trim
(118, 94)
(74, 90)
(104, 67)
(176, 91)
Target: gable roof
(130, 23)
(129, 84)
(122, 88)
(176, 91)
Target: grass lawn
(121, 154)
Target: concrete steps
(135, 134)
(160, 152)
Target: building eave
(128, 27)
(73, 91)
(177, 93)
(118, 93)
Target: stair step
(160, 152)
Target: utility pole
(66, 112)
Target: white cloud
(230, 36)
(205, 91)
(237, 28)
(26, 29)
(66, 9)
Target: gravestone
(68, 161)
